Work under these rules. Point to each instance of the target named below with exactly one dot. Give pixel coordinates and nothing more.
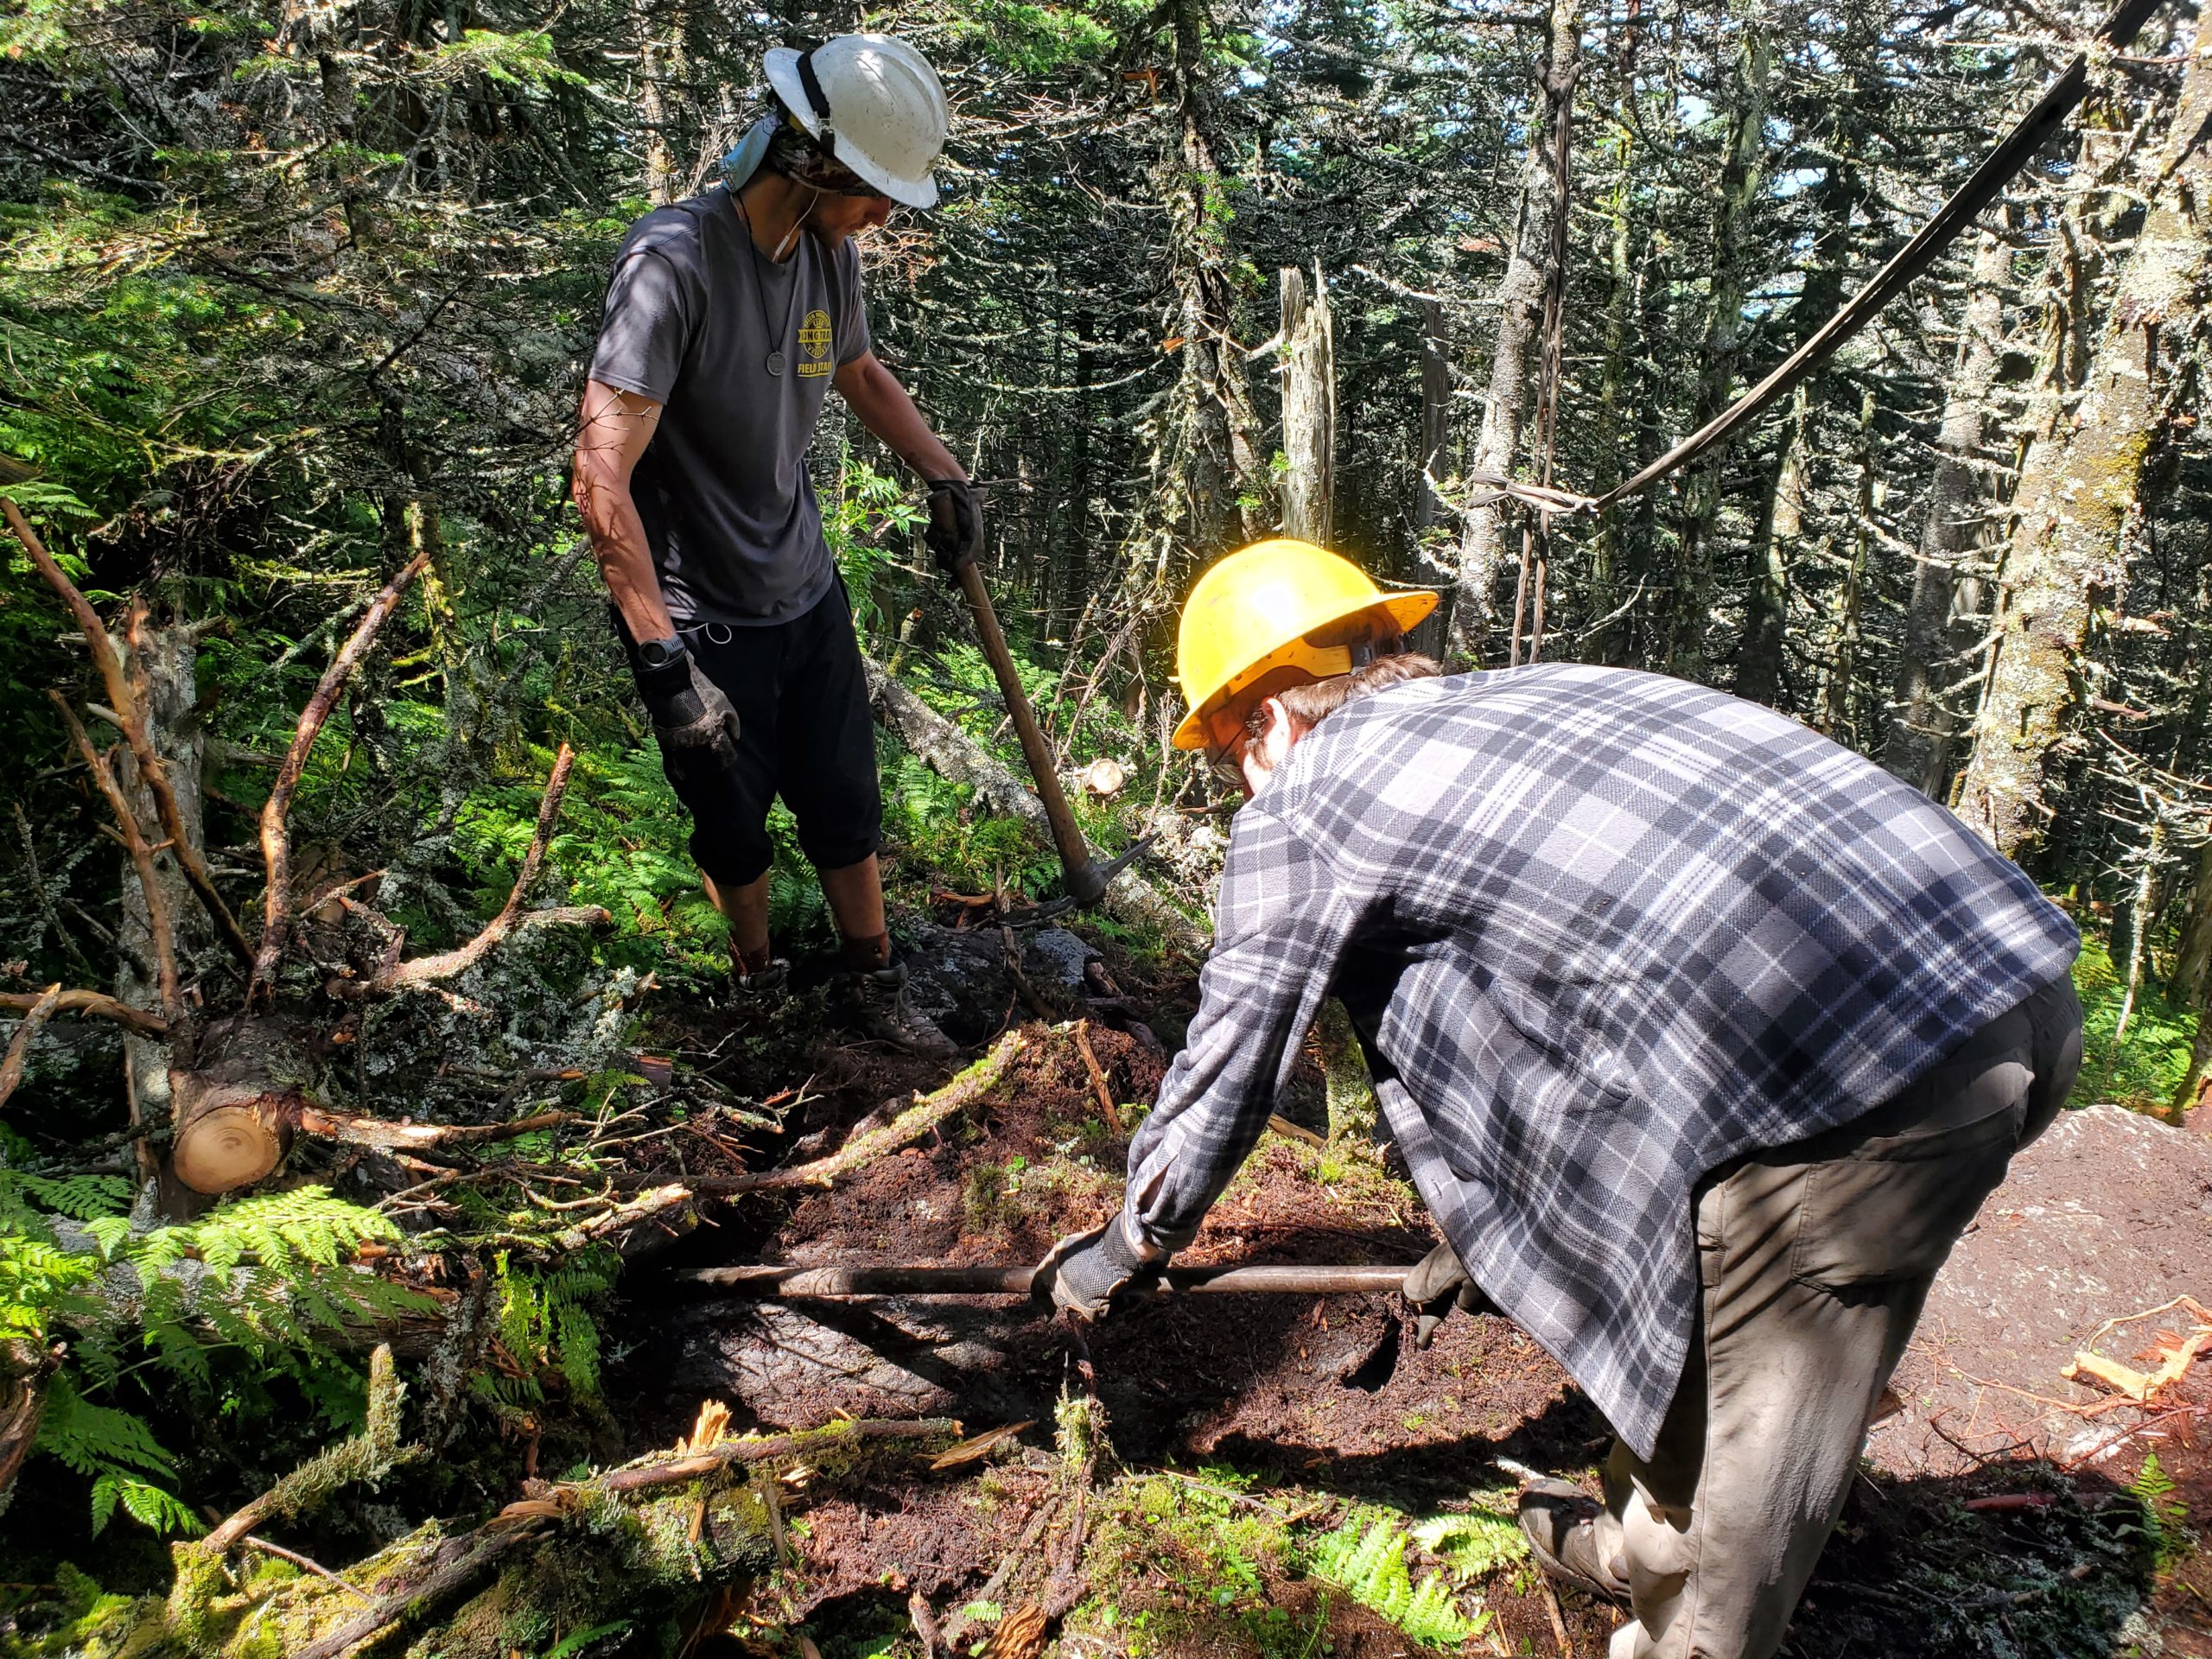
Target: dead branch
(142, 1021)
(11, 1069)
(926, 1113)
(1097, 1077)
(302, 1563)
(141, 860)
(640, 1476)
(132, 714)
(426, 969)
(399, 1135)
(276, 834)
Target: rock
(2104, 1215)
(1059, 956)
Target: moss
(1354, 1112)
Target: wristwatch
(656, 654)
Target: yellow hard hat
(1281, 611)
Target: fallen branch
(453, 1566)
(302, 1562)
(1097, 1077)
(2125, 1380)
(399, 1134)
(144, 1021)
(425, 970)
(640, 1476)
(276, 834)
(158, 925)
(369, 1455)
(926, 1113)
(132, 714)
(11, 1069)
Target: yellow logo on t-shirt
(814, 342)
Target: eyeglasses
(1229, 763)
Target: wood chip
(980, 1447)
(1021, 1634)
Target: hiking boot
(1560, 1525)
(762, 992)
(874, 1003)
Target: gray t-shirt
(728, 509)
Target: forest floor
(1257, 1443)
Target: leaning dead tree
(237, 1070)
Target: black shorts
(804, 733)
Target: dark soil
(1324, 1401)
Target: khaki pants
(1815, 1260)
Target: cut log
(236, 1109)
(230, 1134)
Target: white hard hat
(875, 103)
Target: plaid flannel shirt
(1600, 930)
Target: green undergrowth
(1194, 1560)
(2144, 1068)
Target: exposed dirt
(1325, 1402)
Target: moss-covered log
(642, 1544)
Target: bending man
(728, 319)
(1703, 1037)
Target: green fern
(1472, 1544)
(2164, 1516)
(1365, 1557)
(118, 1452)
(270, 1275)
(546, 1323)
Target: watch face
(659, 653)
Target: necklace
(774, 361)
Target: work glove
(1085, 1272)
(692, 718)
(1437, 1284)
(956, 531)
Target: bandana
(778, 143)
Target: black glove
(1437, 1286)
(692, 718)
(956, 531)
(1085, 1272)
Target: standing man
(1703, 1037)
(728, 319)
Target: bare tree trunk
(164, 663)
(1435, 412)
(1208, 469)
(1520, 301)
(1742, 178)
(2192, 967)
(2079, 503)
(1620, 305)
(1960, 499)
(1309, 408)
(652, 105)
(1840, 694)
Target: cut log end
(230, 1144)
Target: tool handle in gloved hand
(692, 717)
(956, 530)
(1085, 1272)
(1439, 1283)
